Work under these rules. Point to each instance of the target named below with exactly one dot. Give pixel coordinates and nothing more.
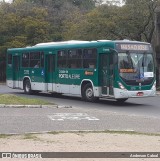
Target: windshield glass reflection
(135, 66)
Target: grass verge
(3, 136)
(105, 131)
(30, 137)
(16, 100)
(35, 136)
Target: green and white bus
(119, 69)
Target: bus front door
(106, 74)
(16, 71)
(50, 77)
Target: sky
(103, 0)
(6, 0)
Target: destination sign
(134, 47)
(127, 70)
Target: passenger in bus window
(86, 55)
(73, 65)
(150, 67)
(124, 64)
(91, 65)
(37, 65)
(121, 64)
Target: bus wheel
(88, 93)
(121, 100)
(27, 87)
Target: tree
(100, 23)
(86, 5)
(22, 25)
(141, 18)
(134, 20)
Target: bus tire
(88, 93)
(27, 87)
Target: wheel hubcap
(89, 92)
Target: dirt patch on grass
(81, 142)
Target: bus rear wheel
(88, 93)
(27, 87)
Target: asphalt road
(141, 115)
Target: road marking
(72, 116)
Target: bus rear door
(50, 76)
(16, 71)
(106, 74)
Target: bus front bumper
(119, 93)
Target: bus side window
(62, 59)
(35, 59)
(73, 65)
(37, 65)
(89, 58)
(91, 65)
(42, 59)
(75, 58)
(25, 60)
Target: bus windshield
(136, 67)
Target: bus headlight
(121, 86)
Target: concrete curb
(28, 106)
(33, 106)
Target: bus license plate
(140, 94)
